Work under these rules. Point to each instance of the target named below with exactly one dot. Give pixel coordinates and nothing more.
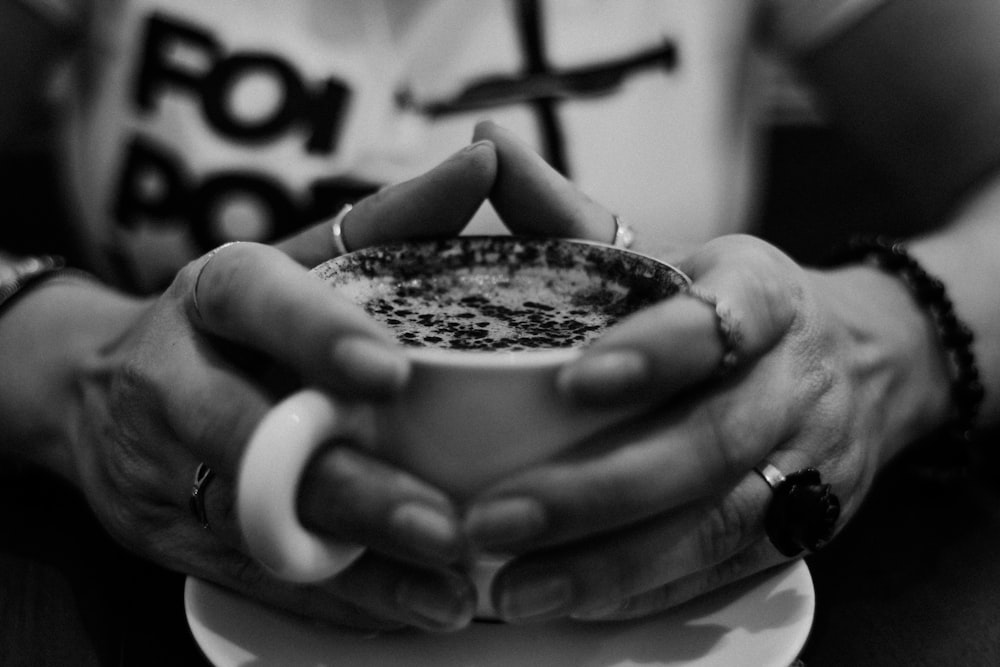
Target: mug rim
(532, 358)
(513, 238)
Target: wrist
(50, 337)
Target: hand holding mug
(186, 377)
(755, 376)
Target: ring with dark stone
(803, 513)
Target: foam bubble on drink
(499, 293)
(529, 308)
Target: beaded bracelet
(956, 338)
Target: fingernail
(428, 530)
(476, 145)
(504, 522)
(605, 376)
(444, 606)
(534, 596)
(487, 126)
(373, 365)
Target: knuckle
(734, 568)
(610, 578)
(736, 437)
(132, 387)
(344, 473)
(726, 527)
(219, 426)
(128, 516)
(377, 201)
(759, 285)
(221, 274)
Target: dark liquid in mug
(521, 311)
(500, 293)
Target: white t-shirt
(189, 123)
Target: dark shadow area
(34, 215)
(915, 578)
(818, 191)
(70, 596)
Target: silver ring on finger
(197, 281)
(337, 230)
(803, 511)
(624, 234)
(203, 475)
(728, 332)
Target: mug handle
(276, 455)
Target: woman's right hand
(761, 365)
(166, 384)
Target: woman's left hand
(669, 506)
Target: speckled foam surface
(499, 292)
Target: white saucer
(762, 622)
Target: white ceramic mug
(466, 419)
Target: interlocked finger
(439, 202)
(657, 562)
(736, 310)
(255, 296)
(757, 557)
(534, 199)
(739, 559)
(232, 569)
(669, 459)
(752, 286)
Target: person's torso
(201, 122)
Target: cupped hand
(189, 378)
(666, 507)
